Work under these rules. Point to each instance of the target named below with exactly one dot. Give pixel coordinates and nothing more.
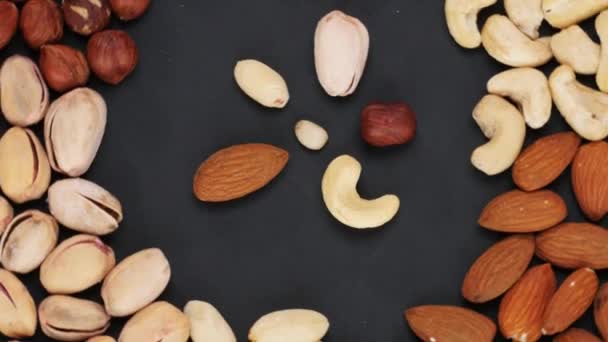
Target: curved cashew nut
(585, 109)
(503, 124)
(527, 15)
(339, 187)
(601, 26)
(461, 16)
(573, 47)
(508, 45)
(530, 89)
(563, 13)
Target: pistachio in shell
(17, 308)
(71, 319)
(159, 321)
(6, 213)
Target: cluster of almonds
(532, 304)
(341, 46)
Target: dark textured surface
(280, 248)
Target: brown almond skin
(41, 23)
(517, 211)
(63, 67)
(237, 171)
(86, 17)
(545, 160)
(574, 245)
(576, 335)
(590, 179)
(520, 315)
(112, 55)
(600, 311)
(498, 268)
(388, 124)
(129, 9)
(449, 323)
(8, 25)
(571, 301)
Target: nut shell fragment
(159, 321)
(294, 325)
(17, 309)
(73, 129)
(25, 173)
(70, 319)
(135, 282)
(84, 206)
(27, 241)
(76, 264)
(341, 49)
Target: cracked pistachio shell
(135, 282)
(101, 339)
(76, 264)
(6, 213)
(159, 321)
(25, 173)
(71, 319)
(24, 97)
(84, 206)
(341, 49)
(294, 325)
(27, 240)
(17, 308)
(207, 324)
(73, 128)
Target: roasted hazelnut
(129, 9)
(387, 124)
(112, 55)
(63, 67)
(41, 22)
(86, 17)
(8, 24)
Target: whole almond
(600, 311)
(576, 335)
(498, 268)
(574, 245)
(523, 212)
(590, 179)
(546, 159)
(237, 171)
(8, 25)
(571, 300)
(449, 323)
(520, 315)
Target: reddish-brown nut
(86, 17)
(9, 15)
(63, 67)
(41, 22)
(386, 124)
(129, 9)
(112, 55)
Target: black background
(280, 248)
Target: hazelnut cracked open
(86, 17)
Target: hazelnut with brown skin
(8, 24)
(112, 55)
(63, 67)
(41, 22)
(129, 9)
(86, 17)
(388, 124)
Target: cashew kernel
(461, 17)
(572, 46)
(563, 13)
(527, 15)
(601, 26)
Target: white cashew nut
(572, 46)
(503, 124)
(601, 26)
(461, 17)
(527, 15)
(585, 109)
(339, 187)
(508, 45)
(563, 13)
(529, 88)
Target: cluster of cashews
(514, 40)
